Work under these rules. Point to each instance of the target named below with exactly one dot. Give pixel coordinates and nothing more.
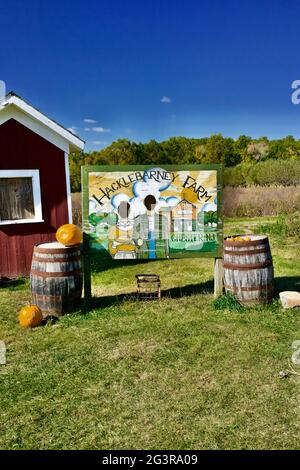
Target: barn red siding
(21, 148)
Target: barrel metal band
(246, 252)
(57, 251)
(249, 289)
(55, 260)
(61, 274)
(71, 295)
(256, 301)
(240, 267)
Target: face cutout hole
(123, 209)
(150, 202)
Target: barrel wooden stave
(56, 278)
(248, 270)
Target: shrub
(287, 226)
(269, 172)
(227, 302)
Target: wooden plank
(23, 149)
(217, 253)
(218, 277)
(58, 291)
(16, 198)
(248, 273)
(86, 242)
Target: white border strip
(68, 186)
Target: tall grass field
(240, 201)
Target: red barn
(35, 195)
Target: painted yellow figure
(121, 245)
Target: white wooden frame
(68, 186)
(14, 107)
(36, 188)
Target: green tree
(183, 150)
(221, 150)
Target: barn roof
(183, 200)
(14, 102)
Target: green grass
(171, 374)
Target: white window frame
(36, 189)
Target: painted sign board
(150, 212)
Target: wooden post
(218, 277)
(86, 242)
(86, 269)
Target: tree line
(183, 150)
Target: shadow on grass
(12, 283)
(173, 293)
(287, 283)
(99, 265)
(190, 289)
(49, 320)
(281, 284)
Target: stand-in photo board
(148, 213)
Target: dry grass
(254, 201)
(76, 206)
(258, 201)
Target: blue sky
(222, 65)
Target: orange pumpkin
(238, 239)
(30, 316)
(69, 235)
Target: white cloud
(100, 129)
(96, 129)
(165, 99)
(99, 142)
(73, 129)
(90, 121)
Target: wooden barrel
(56, 277)
(248, 269)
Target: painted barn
(183, 217)
(35, 195)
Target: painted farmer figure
(150, 232)
(121, 245)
